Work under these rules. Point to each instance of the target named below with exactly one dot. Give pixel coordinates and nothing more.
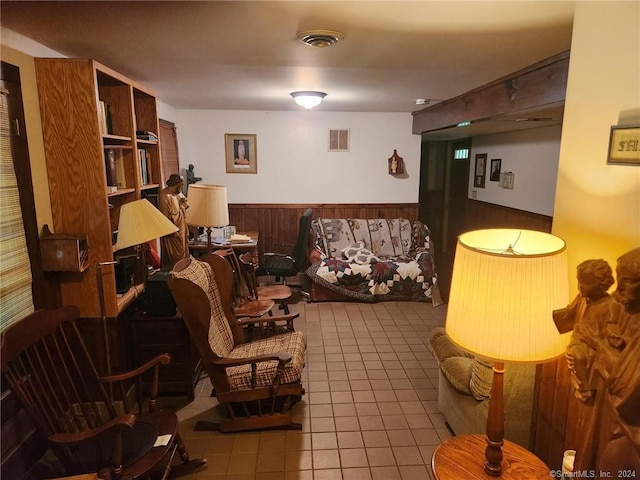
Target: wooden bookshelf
(74, 94)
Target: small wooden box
(64, 253)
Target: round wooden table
(463, 457)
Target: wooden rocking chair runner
(256, 382)
(49, 369)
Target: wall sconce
(396, 164)
(308, 99)
(507, 180)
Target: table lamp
(139, 223)
(208, 208)
(505, 285)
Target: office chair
(281, 265)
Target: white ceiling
(242, 55)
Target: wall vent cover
(339, 140)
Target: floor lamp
(505, 285)
(208, 208)
(139, 223)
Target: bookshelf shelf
(114, 140)
(142, 143)
(121, 191)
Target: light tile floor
(370, 410)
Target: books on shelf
(145, 170)
(144, 135)
(102, 117)
(121, 176)
(110, 167)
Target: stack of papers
(237, 238)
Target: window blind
(16, 300)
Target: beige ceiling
(242, 55)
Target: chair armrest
(281, 357)
(252, 321)
(163, 359)
(124, 421)
(315, 255)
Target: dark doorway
(444, 174)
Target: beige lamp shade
(505, 285)
(141, 222)
(207, 206)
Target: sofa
(464, 387)
(372, 260)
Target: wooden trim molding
(544, 83)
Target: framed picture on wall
(480, 170)
(496, 165)
(240, 153)
(624, 145)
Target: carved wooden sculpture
(604, 360)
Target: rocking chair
(49, 369)
(256, 382)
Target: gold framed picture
(241, 152)
(624, 145)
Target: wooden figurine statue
(396, 164)
(621, 454)
(173, 205)
(604, 363)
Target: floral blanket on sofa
(375, 259)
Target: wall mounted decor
(624, 145)
(480, 169)
(496, 165)
(396, 164)
(507, 180)
(241, 156)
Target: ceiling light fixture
(308, 99)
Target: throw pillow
(357, 253)
(352, 250)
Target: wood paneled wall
(21, 445)
(278, 223)
(480, 215)
(553, 424)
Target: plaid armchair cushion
(220, 337)
(293, 343)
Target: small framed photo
(240, 153)
(624, 145)
(480, 170)
(496, 164)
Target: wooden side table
(151, 336)
(463, 457)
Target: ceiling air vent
(319, 38)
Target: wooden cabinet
(151, 336)
(89, 113)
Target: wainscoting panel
(480, 215)
(278, 223)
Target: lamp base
(495, 423)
